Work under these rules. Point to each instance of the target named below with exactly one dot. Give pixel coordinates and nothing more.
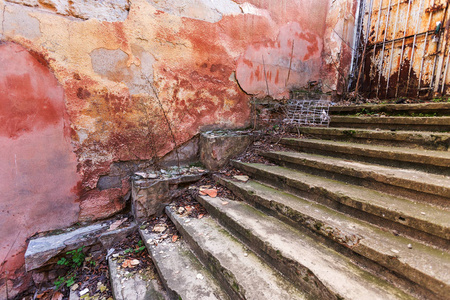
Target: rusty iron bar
(376, 37)
(422, 3)
(380, 71)
(435, 62)
(392, 48)
(406, 37)
(424, 51)
(403, 50)
(445, 73)
(369, 22)
(436, 81)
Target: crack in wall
(3, 20)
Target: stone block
(216, 149)
(149, 197)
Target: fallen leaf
(116, 224)
(174, 238)
(135, 262)
(225, 202)
(127, 264)
(200, 216)
(57, 296)
(210, 192)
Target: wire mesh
(307, 113)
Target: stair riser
(409, 127)
(442, 109)
(384, 139)
(223, 276)
(377, 262)
(392, 160)
(299, 275)
(416, 191)
(413, 228)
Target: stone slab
(418, 262)
(238, 269)
(217, 149)
(321, 271)
(420, 216)
(183, 276)
(134, 286)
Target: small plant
(73, 261)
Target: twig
(265, 76)
(290, 64)
(166, 119)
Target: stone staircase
(359, 210)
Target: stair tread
(334, 270)
(354, 234)
(377, 133)
(133, 286)
(407, 178)
(418, 215)
(254, 278)
(393, 107)
(180, 270)
(438, 158)
(410, 120)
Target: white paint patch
(205, 10)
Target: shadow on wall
(38, 170)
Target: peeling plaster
(18, 21)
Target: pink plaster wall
(37, 166)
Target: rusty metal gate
(403, 48)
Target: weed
(73, 260)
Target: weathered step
(427, 160)
(239, 270)
(321, 271)
(424, 108)
(422, 220)
(413, 184)
(441, 124)
(183, 276)
(420, 263)
(134, 286)
(427, 140)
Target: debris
(200, 276)
(200, 216)
(243, 178)
(129, 263)
(85, 291)
(409, 246)
(57, 296)
(210, 192)
(159, 228)
(116, 224)
(395, 251)
(174, 238)
(225, 202)
(74, 287)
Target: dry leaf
(116, 224)
(135, 262)
(174, 238)
(210, 192)
(200, 216)
(225, 202)
(57, 296)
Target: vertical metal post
(376, 34)
(380, 71)
(403, 49)
(411, 61)
(424, 50)
(435, 82)
(392, 47)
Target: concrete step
(415, 185)
(416, 219)
(242, 273)
(439, 124)
(410, 109)
(134, 286)
(183, 276)
(421, 139)
(315, 268)
(425, 160)
(421, 264)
